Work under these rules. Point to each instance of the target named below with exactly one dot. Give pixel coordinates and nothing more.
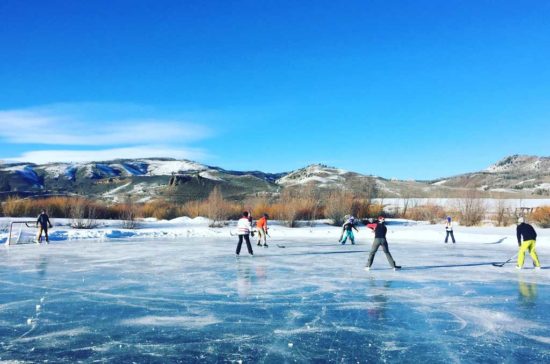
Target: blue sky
(400, 89)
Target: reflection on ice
(193, 301)
(527, 293)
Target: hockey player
(243, 229)
(529, 241)
(261, 227)
(449, 230)
(347, 231)
(380, 231)
(42, 222)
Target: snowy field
(174, 291)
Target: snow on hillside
(26, 171)
(167, 167)
(141, 167)
(523, 163)
(210, 175)
(321, 174)
(58, 170)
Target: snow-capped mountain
(513, 174)
(182, 180)
(521, 163)
(316, 173)
(143, 178)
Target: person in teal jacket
(347, 231)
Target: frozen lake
(192, 300)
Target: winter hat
(448, 218)
(381, 218)
(351, 219)
(521, 220)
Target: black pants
(384, 244)
(247, 240)
(450, 232)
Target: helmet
(381, 218)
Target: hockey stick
(502, 264)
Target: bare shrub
(431, 212)
(129, 213)
(216, 208)
(290, 207)
(503, 214)
(541, 216)
(83, 214)
(312, 203)
(338, 204)
(471, 209)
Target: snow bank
(185, 227)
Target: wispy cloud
(92, 132)
(95, 126)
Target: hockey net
(22, 232)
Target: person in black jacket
(529, 242)
(380, 231)
(43, 221)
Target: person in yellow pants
(529, 242)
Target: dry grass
(541, 216)
(430, 212)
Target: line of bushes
(289, 207)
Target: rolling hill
(183, 180)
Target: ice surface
(189, 299)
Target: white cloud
(114, 130)
(94, 125)
(49, 156)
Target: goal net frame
(29, 224)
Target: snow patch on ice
(193, 322)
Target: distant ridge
(149, 178)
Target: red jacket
(262, 224)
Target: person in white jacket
(243, 229)
(449, 230)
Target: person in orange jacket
(261, 227)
